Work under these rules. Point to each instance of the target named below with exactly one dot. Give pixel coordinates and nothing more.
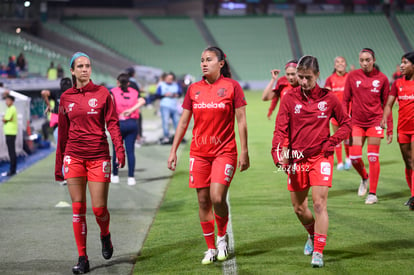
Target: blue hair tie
(76, 55)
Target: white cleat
(363, 187)
(209, 256)
(371, 199)
(222, 254)
(317, 259)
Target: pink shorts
(314, 171)
(93, 170)
(376, 131)
(205, 170)
(405, 138)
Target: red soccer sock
(102, 218)
(208, 231)
(346, 146)
(319, 242)
(221, 225)
(310, 227)
(408, 177)
(79, 226)
(374, 167)
(338, 152)
(355, 154)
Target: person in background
(134, 84)
(21, 62)
(336, 83)
(213, 151)
(86, 111)
(10, 127)
(403, 89)
(11, 67)
(52, 72)
(60, 72)
(283, 85)
(303, 118)
(52, 99)
(366, 91)
(169, 91)
(127, 103)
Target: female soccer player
(403, 88)
(127, 102)
(336, 83)
(284, 84)
(304, 118)
(83, 150)
(214, 102)
(367, 90)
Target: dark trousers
(11, 147)
(129, 131)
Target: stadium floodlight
(18, 30)
(27, 4)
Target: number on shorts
(191, 164)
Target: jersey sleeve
(187, 103)
(328, 83)
(347, 94)
(344, 122)
(239, 98)
(394, 89)
(385, 94)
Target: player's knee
(300, 210)
(319, 207)
(218, 201)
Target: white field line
(230, 266)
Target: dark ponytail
(123, 82)
(225, 70)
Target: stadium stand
(59, 28)
(254, 45)
(38, 58)
(329, 36)
(406, 21)
(181, 42)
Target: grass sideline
(362, 239)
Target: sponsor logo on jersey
(297, 108)
(358, 82)
(322, 115)
(210, 105)
(221, 92)
(375, 84)
(197, 94)
(325, 168)
(70, 107)
(322, 106)
(93, 102)
(406, 97)
(92, 112)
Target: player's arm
(45, 95)
(244, 161)
(268, 91)
(140, 102)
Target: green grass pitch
(362, 239)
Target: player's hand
(126, 113)
(244, 161)
(47, 110)
(389, 138)
(328, 149)
(120, 159)
(172, 161)
(383, 123)
(275, 73)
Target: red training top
(83, 114)
(404, 90)
(282, 87)
(305, 121)
(124, 101)
(368, 94)
(336, 83)
(213, 107)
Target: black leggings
(11, 147)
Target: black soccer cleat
(107, 248)
(410, 203)
(82, 267)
